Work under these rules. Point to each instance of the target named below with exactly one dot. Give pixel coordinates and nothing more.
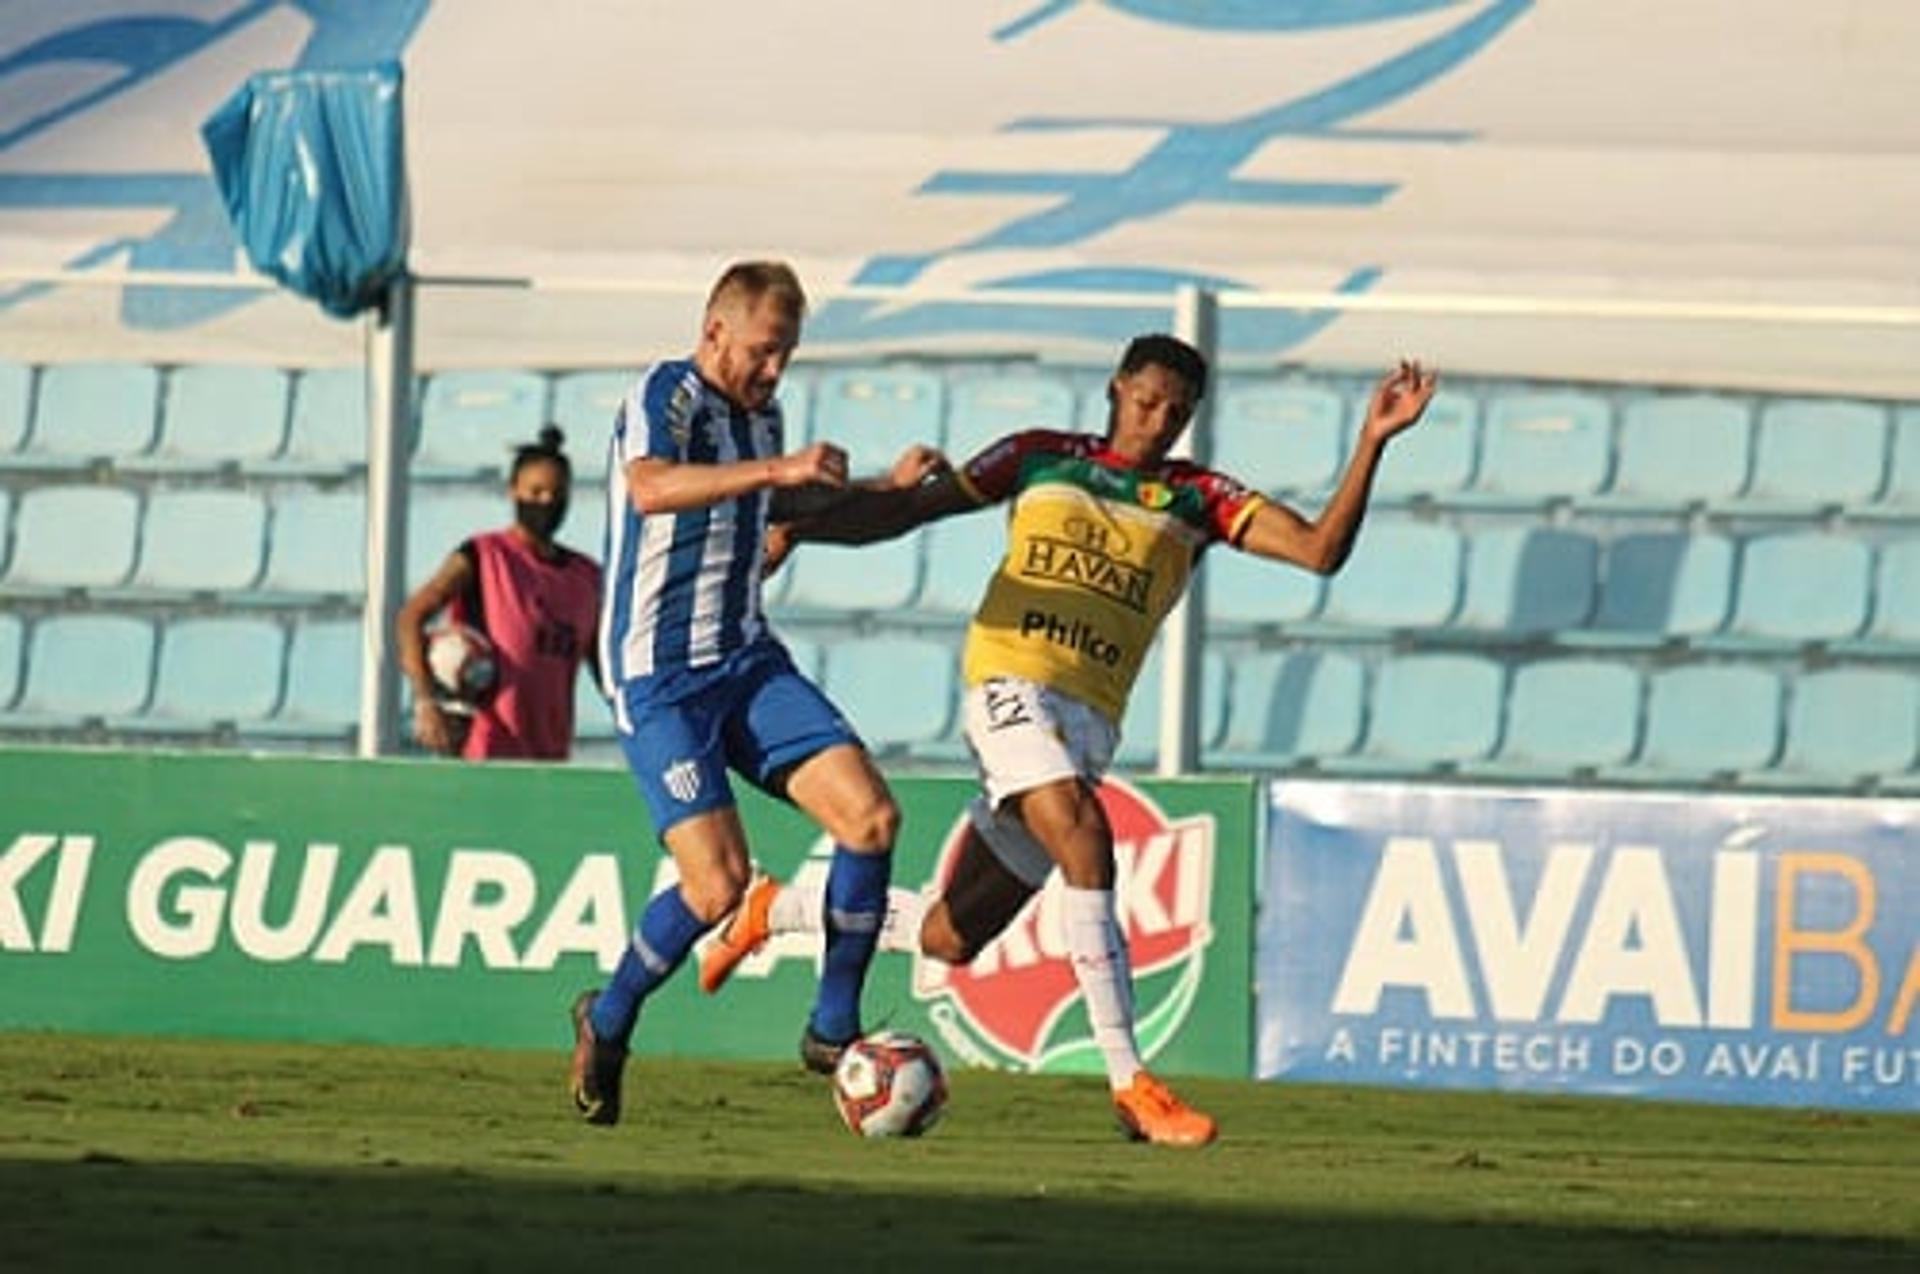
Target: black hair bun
(551, 438)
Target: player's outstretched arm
(668, 486)
(1322, 544)
(866, 515)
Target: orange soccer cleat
(743, 933)
(1148, 1111)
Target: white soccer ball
(889, 1084)
(462, 662)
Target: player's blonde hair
(745, 283)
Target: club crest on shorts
(1011, 1006)
(682, 779)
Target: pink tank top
(540, 614)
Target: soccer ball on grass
(889, 1084)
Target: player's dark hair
(547, 447)
(1170, 352)
(749, 281)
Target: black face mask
(540, 520)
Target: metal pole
(1194, 318)
(389, 430)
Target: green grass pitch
(139, 1154)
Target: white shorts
(1025, 735)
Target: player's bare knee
(872, 826)
(940, 940)
(711, 896)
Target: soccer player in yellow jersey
(1102, 536)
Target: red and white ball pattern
(889, 1084)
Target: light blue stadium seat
(1660, 585)
(316, 547)
(200, 541)
(81, 668)
(16, 405)
(213, 673)
(1429, 711)
(875, 413)
(585, 530)
(85, 412)
(806, 654)
(1812, 454)
(1279, 438)
(6, 529)
(1566, 717)
(1529, 579)
(874, 577)
(1140, 726)
(322, 698)
(327, 430)
(962, 553)
(1538, 447)
(795, 396)
(1435, 459)
(1848, 725)
(1895, 626)
(12, 642)
(1292, 706)
(584, 405)
(1900, 499)
(897, 691)
(1801, 588)
(218, 414)
(1244, 591)
(1402, 574)
(470, 422)
(1708, 722)
(439, 519)
(70, 537)
(989, 405)
(592, 715)
(1680, 451)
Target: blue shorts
(753, 712)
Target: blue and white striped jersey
(682, 589)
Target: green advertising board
(432, 903)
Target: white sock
(801, 908)
(1100, 966)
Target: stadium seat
(584, 405)
(1658, 586)
(1679, 451)
(805, 653)
(16, 406)
(1140, 727)
(12, 641)
(1279, 438)
(470, 422)
(1538, 447)
(200, 541)
(1244, 591)
(592, 714)
(875, 413)
(988, 406)
(585, 530)
(897, 691)
(89, 412)
(1402, 574)
(81, 668)
(796, 408)
(217, 415)
(1292, 706)
(1434, 460)
(962, 553)
(838, 578)
(1524, 580)
(316, 548)
(6, 529)
(327, 432)
(439, 519)
(212, 673)
(1811, 455)
(322, 699)
(1895, 626)
(1849, 725)
(1707, 722)
(1799, 588)
(1900, 500)
(1429, 711)
(72, 537)
(1566, 717)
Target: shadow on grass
(103, 1212)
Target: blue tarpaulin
(312, 167)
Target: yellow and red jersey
(1098, 550)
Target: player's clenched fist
(822, 463)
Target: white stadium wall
(1756, 152)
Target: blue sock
(667, 932)
(856, 904)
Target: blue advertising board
(1759, 950)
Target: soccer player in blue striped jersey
(699, 684)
